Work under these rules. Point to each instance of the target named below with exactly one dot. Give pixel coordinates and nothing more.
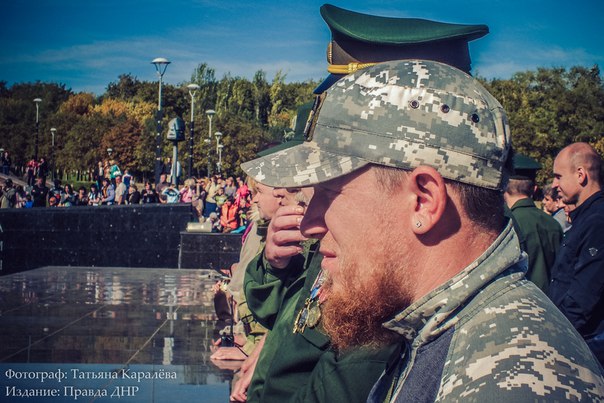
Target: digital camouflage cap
(400, 114)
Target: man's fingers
(287, 237)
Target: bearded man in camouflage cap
(447, 278)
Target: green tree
(18, 116)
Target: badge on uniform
(310, 314)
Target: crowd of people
(224, 202)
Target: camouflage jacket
(489, 335)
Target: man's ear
(582, 176)
(430, 199)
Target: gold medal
(301, 318)
(314, 316)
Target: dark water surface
(109, 334)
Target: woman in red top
(229, 215)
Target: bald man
(577, 285)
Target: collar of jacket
(576, 213)
(436, 312)
(526, 202)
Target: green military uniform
(539, 231)
(301, 367)
(542, 236)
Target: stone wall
(110, 236)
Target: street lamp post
(161, 64)
(37, 101)
(192, 89)
(53, 131)
(219, 147)
(208, 141)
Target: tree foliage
(551, 108)
(547, 110)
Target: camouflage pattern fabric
(510, 343)
(399, 114)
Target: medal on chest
(310, 314)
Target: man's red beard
(353, 313)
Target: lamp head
(161, 64)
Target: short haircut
(589, 159)
(524, 187)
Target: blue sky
(86, 44)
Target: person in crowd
(229, 216)
(43, 169)
(577, 286)
(21, 197)
(198, 199)
(29, 202)
(114, 170)
(149, 195)
(56, 192)
(211, 189)
(100, 174)
(220, 198)
(242, 194)
(170, 194)
(67, 198)
(542, 234)
(32, 168)
(6, 163)
(214, 222)
(568, 208)
(187, 192)
(554, 206)
(264, 206)
(121, 191)
(431, 147)
(53, 201)
(94, 196)
(39, 192)
(82, 197)
(163, 184)
(107, 193)
(134, 196)
(9, 195)
(127, 178)
(230, 189)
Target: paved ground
(142, 333)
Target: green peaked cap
(524, 167)
(395, 31)
(362, 38)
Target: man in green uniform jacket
(541, 233)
